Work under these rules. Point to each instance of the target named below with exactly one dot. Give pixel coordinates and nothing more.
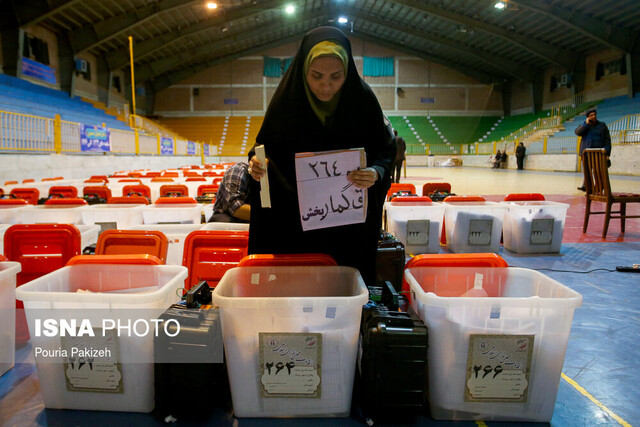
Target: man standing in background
(595, 134)
(401, 147)
(520, 153)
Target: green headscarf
(324, 48)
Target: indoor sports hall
(506, 286)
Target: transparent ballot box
(473, 227)
(87, 324)
(533, 226)
(172, 214)
(417, 225)
(113, 216)
(176, 235)
(60, 214)
(291, 338)
(497, 340)
(8, 272)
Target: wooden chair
(598, 189)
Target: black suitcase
(190, 373)
(390, 260)
(392, 364)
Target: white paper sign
(326, 197)
(498, 368)
(290, 364)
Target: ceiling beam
(30, 12)
(469, 71)
(91, 35)
(512, 68)
(120, 57)
(612, 35)
(164, 65)
(166, 80)
(550, 53)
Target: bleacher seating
(234, 136)
(23, 97)
(508, 125)
(609, 110)
(463, 130)
(418, 130)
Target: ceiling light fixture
(290, 9)
(212, 5)
(343, 20)
(500, 5)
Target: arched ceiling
(173, 39)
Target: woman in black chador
(321, 104)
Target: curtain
(272, 67)
(378, 67)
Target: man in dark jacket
(520, 153)
(401, 148)
(595, 134)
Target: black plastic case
(392, 363)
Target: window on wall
(87, 75)
(116, 84)
(35, 49)
(560, 81)
(610, 67)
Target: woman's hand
(363, 178)
(255, 168)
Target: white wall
(17, 167)
(625, 160)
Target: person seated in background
(232, 198)
(504, 159)
(497, 159)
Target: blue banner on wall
(205, 148)
(94, 138)
(191, 147)
(166, 145)
(39, 71)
